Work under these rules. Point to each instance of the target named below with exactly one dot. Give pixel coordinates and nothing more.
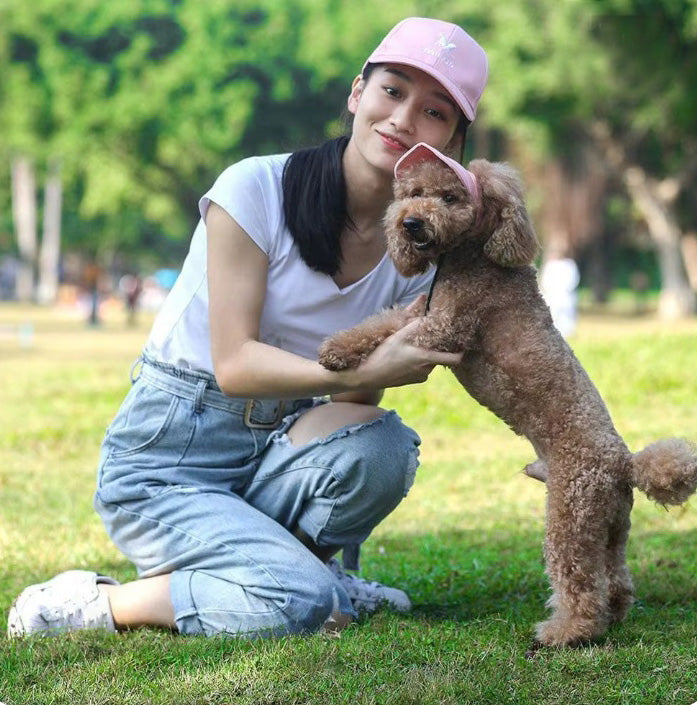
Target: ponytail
(314, 203)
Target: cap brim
(423, 152)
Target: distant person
(131, 288)
(91, 281)
(559, 280)
(238, 466)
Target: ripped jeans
(209, 488)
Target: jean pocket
(142, 422)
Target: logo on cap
(441, 50)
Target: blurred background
(116, 117)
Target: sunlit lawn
(466, 544)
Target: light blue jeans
(208, 488)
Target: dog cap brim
(423, 152)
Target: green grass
(466, 544)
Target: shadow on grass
(465, 576)
(468, 575)
(477, 596)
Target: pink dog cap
(422, 152)
(444, 51)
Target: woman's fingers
(434, 357)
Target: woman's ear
(355, 95)
(512, 242)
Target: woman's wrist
(347, 381)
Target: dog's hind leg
(578, 522)
(620, 588)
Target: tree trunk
(571, 212)
(24, 215)
(689, 255)
(676, 299)
(655, 200)
(50, 241)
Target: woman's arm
(245, 367)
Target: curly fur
(487, 304)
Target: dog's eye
(416, 193)
(449, 197)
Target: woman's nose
(403, 117)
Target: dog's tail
(666, 471)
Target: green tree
(615, 75)
(143, 104)
(648, 130)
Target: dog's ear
(512, 242)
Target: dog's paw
(573, 632)
(334, 363)
(335, 358)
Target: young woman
(237, 465)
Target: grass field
(466, 544)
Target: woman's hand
(245, 367)
(397, 362)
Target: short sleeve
(250, 192)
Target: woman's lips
(393, 142)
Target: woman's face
(397, 107)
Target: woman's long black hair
(314, 198)
(314, 203)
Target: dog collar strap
(433, 284)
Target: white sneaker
(65, 603)
(369, 597)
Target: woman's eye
(435, 113)
(391, 91)
(449, 197)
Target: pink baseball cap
(441, 49)
(422, 152)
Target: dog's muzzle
(416, 233)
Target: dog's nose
(413, 225)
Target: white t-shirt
(302, 306)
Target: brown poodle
(486, 302)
